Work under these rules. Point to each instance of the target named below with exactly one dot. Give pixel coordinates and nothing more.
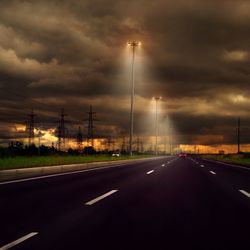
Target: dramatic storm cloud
(72, 53)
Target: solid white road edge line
(202, 166)
(18, 241)
(212, 172)
(163, 165)
(61, 174)
(100, 197)
(224, 163)
(150, 172)
(245, 193)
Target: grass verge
(39, 161)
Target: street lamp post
(133, 44)
(156, 124)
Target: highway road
(162, 203)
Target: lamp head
(134, 44)
(157, 98)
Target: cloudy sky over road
(72, 54)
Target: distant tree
(15, 148)
(4, 152)
(89, 150)
(31, 150)
(73, 151)
(44, 150)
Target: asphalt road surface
(164, 203)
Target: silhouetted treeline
(17, 148)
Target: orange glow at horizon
(48, 137)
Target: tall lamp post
(157, 99)
(133, 44)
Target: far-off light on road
(124, 125)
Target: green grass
(235, 159)
(38, 161)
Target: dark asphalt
(178, 206)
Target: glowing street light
(133, 44)
(157, 99)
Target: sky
(72, 54)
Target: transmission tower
(79, 140)
(31, 127)
(61, 131)
(91, 119)
(142, 146)
(109, 142)
(138, 144)
(123, 144)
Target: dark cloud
(69, 54)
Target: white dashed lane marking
(245, 193)
(18, 241)
(150, 172)
(100, 197)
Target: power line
(32, 102)
(25, 98)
